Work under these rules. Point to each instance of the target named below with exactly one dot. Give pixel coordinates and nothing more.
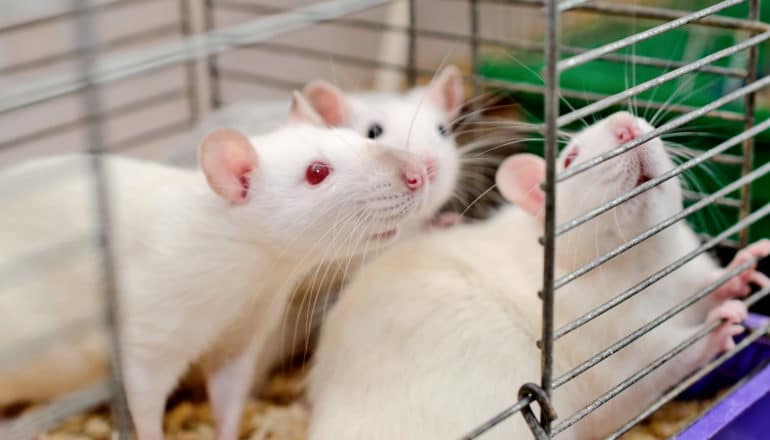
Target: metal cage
(178, 68)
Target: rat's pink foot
(446, 220)
(732, 313)
(739, 285)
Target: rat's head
(311, 190)
(418, 121)
(520, 175)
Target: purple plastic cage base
(745, 412)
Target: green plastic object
(694, 90)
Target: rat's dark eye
(443, 130)
(571, 156)
(375, 131)
(316, 172)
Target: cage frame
(215, 41)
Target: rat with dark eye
(375, 131)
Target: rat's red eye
(317, 172)
(570, 157)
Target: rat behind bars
(418, 121)
(205, 261)
(435, 337)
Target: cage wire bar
(127, 109)
(92, 75)
(257, 33)
(758, 33)
(198, 46)
(85, 32)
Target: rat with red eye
(434, 337)
(418, 121)
(205, 261)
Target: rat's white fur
(436, 336)
(198, 277)
(410, 121)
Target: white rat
(436, 336)
(205, 261)
(417, 121)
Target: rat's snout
(625, 127)
(411, 169)
(431, 167)
(413, 175)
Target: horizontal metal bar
(708, 368)
(67, 14)
(566, 93)
(674, 123)
(499, 418)
(371, 25)
(648, 369)
(723, 201)
(692, 163)
(644, 35)
(325, 54)
(257, 79)
(735, 244)
(638, 11)
(199, 46)
(150, 135)
(566, 5)
(756, 174)
(619, 299)
(116, 43)
(32, 423)
(122, 110)
(650, 12)
(641, 331)
(528, 46)
(640, 60)
(657, 81)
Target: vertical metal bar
(215, 86)
(474, 15)
(412, 50)
(191, 74)
(551, 146)
(86, 42)
(749, 103)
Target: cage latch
(548, 413)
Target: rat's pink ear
(446, 91)
(329, 101)
(302, 112)
(519, 178)
(227, 158)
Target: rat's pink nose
(625, 127)
(413, 176)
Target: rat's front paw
(732, 313)
(446, 220)
(739, 285)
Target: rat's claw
(732, 312)
(738, 286)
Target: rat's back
(443, 316)
(51, 260)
